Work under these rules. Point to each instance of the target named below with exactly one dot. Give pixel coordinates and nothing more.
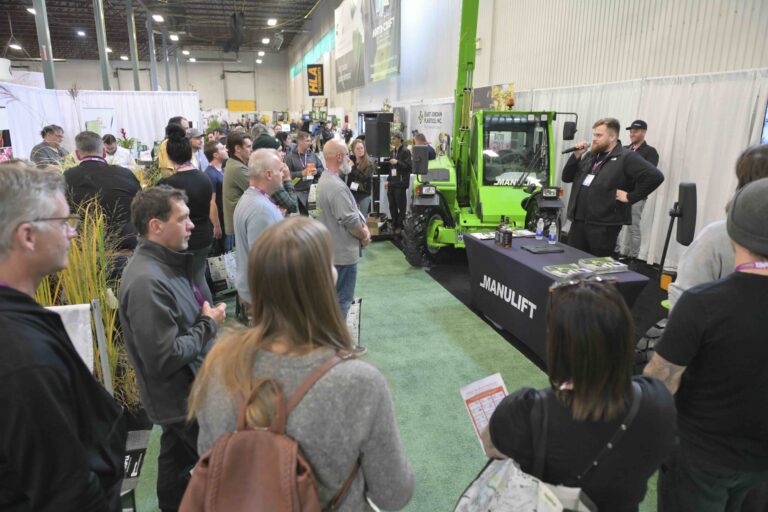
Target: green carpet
(428, 345)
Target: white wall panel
(555, 43)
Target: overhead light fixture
(15, 46)
(261, 54)
(108, 49)
(31, 10)
(271, 22)
(174, 37)
(192, 59)
(158, 18)
(81, 33)
(258, 61)
(185, 52)
(265, 40)
(123, 57)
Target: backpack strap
(539, 419)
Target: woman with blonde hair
(347, 417)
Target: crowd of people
(696, 413)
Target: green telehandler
(501, 165)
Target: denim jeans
(345, 287)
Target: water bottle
(540, 229)
(552, 238)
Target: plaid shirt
(285, 197)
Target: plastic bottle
(540, 229)
(552, 238)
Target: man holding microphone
(607, 180)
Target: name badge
(588, 180)
(393, 172)
(354, 185)
(309, 177)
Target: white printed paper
(481, 398)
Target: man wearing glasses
(49, 152)
(62, 439)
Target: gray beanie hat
(748, 217)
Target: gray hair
(258, 130)
(89, 143)
(26, 194)
(260, 161)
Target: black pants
(398, 203)
(592, 238)
(178, 455)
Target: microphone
(569, 150)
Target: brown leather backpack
(260, 469)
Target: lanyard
(264, 194)
(93, 159)
(756, 265)
(597, 165)
(198, 295)
(304, 160)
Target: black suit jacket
(115, 187)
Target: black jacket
(115, 187)
(623, 170)
(62, 437)
(404, 167)
(647, 152)
(363, 178)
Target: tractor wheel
(419, 224)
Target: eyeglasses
(72, 221)
(586, 279)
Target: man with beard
(607, 180)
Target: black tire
(415, 236)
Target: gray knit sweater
(347, 415)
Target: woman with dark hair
(605, 431)
(347, 418)
(360, 178)
(198, 187)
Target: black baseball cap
(638, 125)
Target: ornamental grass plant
(89, 276)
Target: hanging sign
(315, 79)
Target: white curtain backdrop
(699, 124)
(143, 115)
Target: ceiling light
(265, 40)
(158, 18)
(192, 59)
(15, 46)
(123, 57)
(185, 52)
(258, 61)
(81, 33)
(174, 37)
(31, 10)
(271, 22)
(108, 49)
(261, 54)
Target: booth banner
(315, 80)
(435, 122)
(319, 102)
(382, 38)
(99, 120)
(350, 54)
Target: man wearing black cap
(607, 179)
(713, 357)
(637, 131)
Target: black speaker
(420, 157)
(686, 224)
(377, 138)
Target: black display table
(510, 288)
